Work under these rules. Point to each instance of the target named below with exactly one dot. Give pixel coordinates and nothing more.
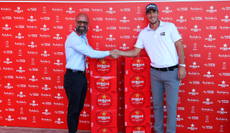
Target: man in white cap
(162, 41)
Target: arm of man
(180, 49)
(131, 53)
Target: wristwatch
(183, 65)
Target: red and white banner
(32, 61)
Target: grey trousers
(168, 82)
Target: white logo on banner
(33, 103)
(21, 95)
(32, 45)
(31, 19)
(20, 70)
(33, 79)
(167, 10)
(46, 88)
(110, 11)
(18, 10)
(32, 9)
(6, 17)
(84, 9)
(19, 36)
(59, 121)
(211, 10)
(137, 29)
(57, 9)
(196, 9)
(9, 118)
(8, 86)
(97, 29)
(111, 28)
(211, 27)
(125, 9)
(46, 112)
(226, 19)
(178, 118)
(192, 128)
(97, 10)
(166, 18)
(193, 93)
(181, 19)
(222, 111)
(207, 102)
(7, 61)
(195, 29)
(110, 38)
(222, 92)
(208, 75)
(210, 38)
(58, 96)
(124, 47)
(110, 19)
(194, 66)
(211, 18)
(223, 85)
(6, 27)
(45, 54)
(5, 9)
(44, 28)
(70, 11)
(124, 20)
(98, 19)
(182, 9)
(225, 48)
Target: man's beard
(154, 22)
(81, 32)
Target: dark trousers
(75, 84)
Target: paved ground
(34, 130)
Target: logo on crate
(137, 82)
(138, 65)
(104, 100)
(137, 116)
(104, 118)
(102, 84)
(104, 130)
(138, 130)
(103, 66)
(137, 99)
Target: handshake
(115, 53)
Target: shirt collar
(161, 24)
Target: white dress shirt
(76, 50)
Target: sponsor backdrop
(32, 61)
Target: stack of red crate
(137, 94)
(104, 99)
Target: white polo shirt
(159, 44)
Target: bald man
(77, 49)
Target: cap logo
(151, 6)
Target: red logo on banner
(138, 65)
(137, 116)
(137, 82)
(104, 100)
(137, 99)
(104, 118)
(104, 130)
(103, 66)
(102, 84)
(138, 130)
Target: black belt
(76, 71)
(166, 68)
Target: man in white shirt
(75, 82)
(160, 40)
